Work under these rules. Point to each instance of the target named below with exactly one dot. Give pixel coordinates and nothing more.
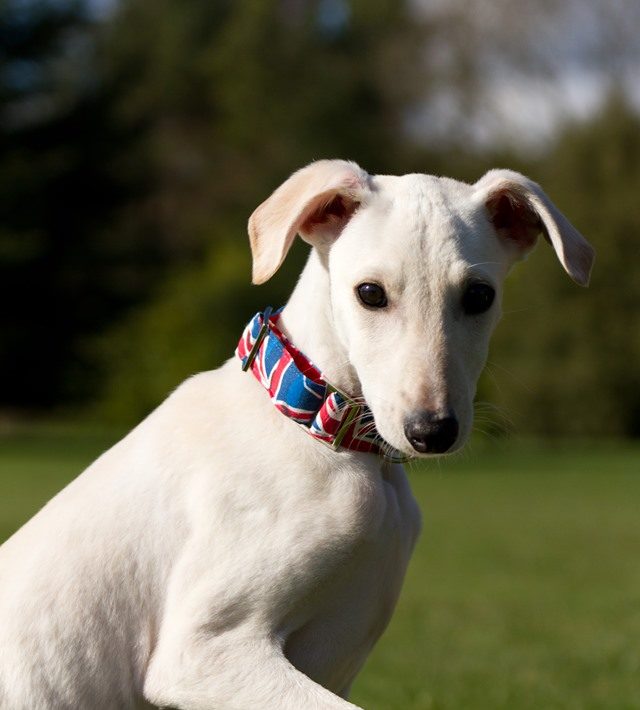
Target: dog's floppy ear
(315, 202)
(519, 211)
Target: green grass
(37, 461)
(524, 591)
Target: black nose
(431, 433)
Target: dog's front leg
(227, 673)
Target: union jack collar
(298, 390)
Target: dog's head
(416, 265)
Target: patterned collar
(298, 390)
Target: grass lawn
(524, 591)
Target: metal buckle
(344, 427)
(264, 329)
(352, 412)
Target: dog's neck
(307, 320)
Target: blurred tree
(133, 149)
(234, 97)
(577, 356)
(64, 274)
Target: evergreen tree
(64, 274)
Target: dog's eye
(477, 298)
(372, 295)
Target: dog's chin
(457, 446)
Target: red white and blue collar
(298, 390)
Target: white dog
(241, 549)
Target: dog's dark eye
(477, 298)
(372, 295)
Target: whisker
(515, 378)
(482, 263)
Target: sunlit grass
(524, 591)
(37, 461)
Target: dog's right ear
(315, 202)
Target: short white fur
(218, 556)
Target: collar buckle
(264, 329)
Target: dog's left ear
(315, 202)
(520, 210)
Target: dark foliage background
(136, 138)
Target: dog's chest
(311, 546)
(338, 617)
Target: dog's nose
(430, 432)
